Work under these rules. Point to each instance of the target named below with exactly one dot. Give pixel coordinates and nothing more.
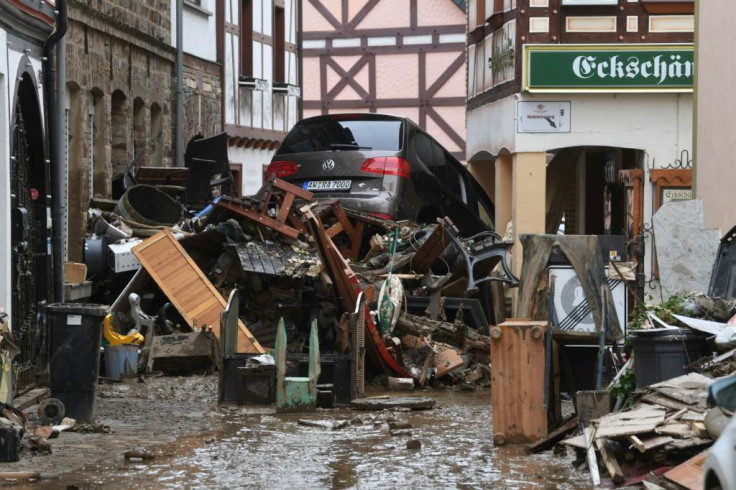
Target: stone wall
(122, 87)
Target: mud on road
(235, 447)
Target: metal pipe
(179, 121)
(58, 174)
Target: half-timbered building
(580, 112)
(260, 80)
(402, 57)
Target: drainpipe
(179, 84)
(299, 59)
(53, 126)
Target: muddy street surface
(231, 447)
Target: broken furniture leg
(294, 395)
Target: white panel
(383, 41)
(425, 39)
(351, 42)
(258, 60)
(291, 120)
(267, 17)
(231, 11)
(5, 244)
(480, 61)
(290, 22)
(279, 111)
(488, 76)
(317, 43)
(453, 38)
(472, 13)
(539, 24)
(632, 23)
(292, 69)
(671, 23)
(246, 113)
(488, 8)
(471, 71)
(539, 3)
(230, 98)
(257, 109)
(257, 15)
(267, 62)
(591, 24)
(267, 110)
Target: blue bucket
(121, 361)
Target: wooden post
(517, 377)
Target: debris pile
(427, 295)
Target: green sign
(609, 68)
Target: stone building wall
(202, 98)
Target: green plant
(664, 311)
(625, 386)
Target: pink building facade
(402, 57)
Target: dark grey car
(383, 165)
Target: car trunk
(338, 173)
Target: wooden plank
(644, 444)
(678, 430)
(665, 401)
(614, 469)
(553, 436)
(642, 419)
(589, 433)
(187, 287)
(690, 473)
(517, 377)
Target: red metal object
(348, 289)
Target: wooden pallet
(186, 286)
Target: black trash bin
(76, 334)
(660, 354)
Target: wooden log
(441, 332)
(553, 437)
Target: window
(330, 134)
(246, 38)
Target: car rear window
(330, 134)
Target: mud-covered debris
(140, 454)
(324, 424)
(399, 425)
(399, 432)
(410, 403)
(414, 444)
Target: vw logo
(328, 165)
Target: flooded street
(256, 448)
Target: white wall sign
(543, 117)
(589, 2)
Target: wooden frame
(633, 181)
(669, 178)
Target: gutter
(53, 125)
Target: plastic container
(121, 361)
(663, 354)
(76, 332)
(257, 385)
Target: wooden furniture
(186, 286)
(517, 377)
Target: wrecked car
(383, 165)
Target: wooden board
(642, 419)
(517, 377)
(690, 473)
(187, 287)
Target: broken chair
(296, 394)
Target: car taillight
(281, 169)
(382, 216)
(387, 166)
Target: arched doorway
(31, 268)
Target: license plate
(327, 185)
